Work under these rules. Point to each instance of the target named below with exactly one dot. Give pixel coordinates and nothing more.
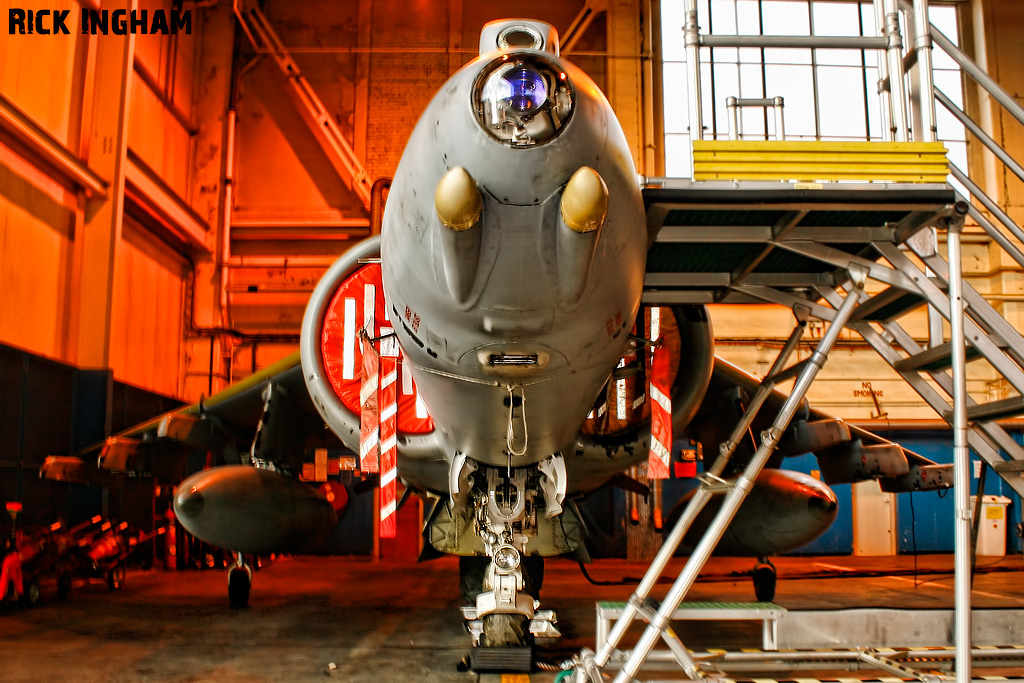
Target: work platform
(847, 233)
(757, 242)
(857, 255)
(796, 244)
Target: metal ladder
(590, 664)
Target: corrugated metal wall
(51, 408)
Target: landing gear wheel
(115, 577)
(63, 586)
(30, 597)
(506, 630)
(239, 583)
(764, 581)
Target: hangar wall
(121, 310)
(240, 296)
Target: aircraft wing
(846, 453)
(268, 416)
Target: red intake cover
(332, 347)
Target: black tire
(32, 594)
(115, 577)
(63, 586)
(764, 582)
(506, 630)
(239, 584)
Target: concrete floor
(399, 621)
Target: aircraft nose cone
(189, 503)
(822, 505)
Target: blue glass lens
(527, 90)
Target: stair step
(1009, 467)
(935, 358)
(515, 659)
(997, 410)
(890, 303)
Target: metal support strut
(736, 492)
(961, 458)
(711, 483)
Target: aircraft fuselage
(512, 326)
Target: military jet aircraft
(501, 306)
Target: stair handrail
(979, 133)
(1006, 100)
(992, 208)
(976, 72)
(990, 229)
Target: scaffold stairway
(990, 337)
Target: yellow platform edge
(827, 160)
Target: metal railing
(889, 46)
(969, 67)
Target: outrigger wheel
(63, 586)
(239, 583)
(764, 580)
(32, 594)
(115, 577)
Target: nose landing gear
(764, 580)
(239, 583)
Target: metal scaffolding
(811, 245)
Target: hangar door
(148, 325)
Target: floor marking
(834, 566)
(998, 596)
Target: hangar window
(828, 93)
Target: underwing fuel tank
(784, 510)
(253, 510)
